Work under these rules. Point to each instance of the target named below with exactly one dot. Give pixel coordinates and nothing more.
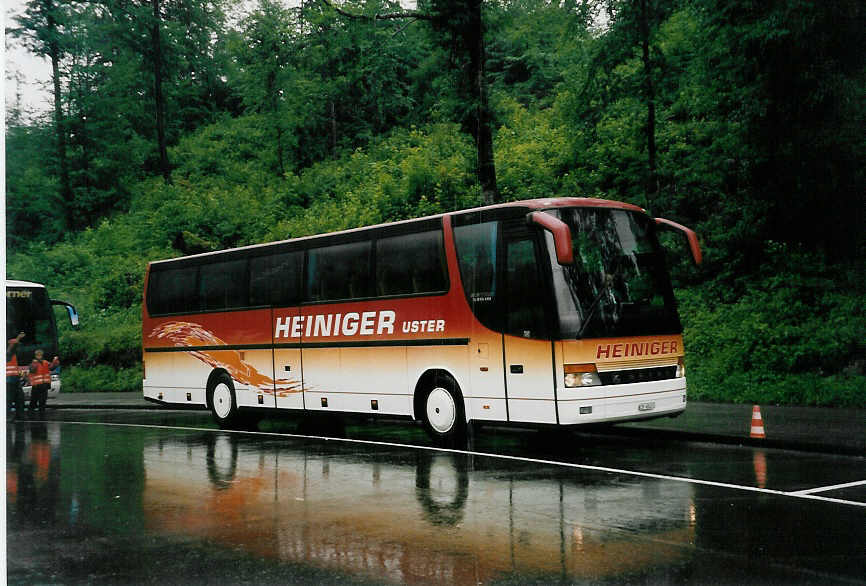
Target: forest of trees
(180, 126)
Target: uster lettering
(425, 325)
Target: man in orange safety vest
(14, 394)
(40, 380)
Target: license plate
(646, 406)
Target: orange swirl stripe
(189, 335)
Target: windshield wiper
(606, 284)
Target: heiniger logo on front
(630, 350)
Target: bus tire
(222, 401)
(443, 412)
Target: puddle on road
(200, 505)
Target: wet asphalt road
(164, 497)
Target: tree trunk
(59, 120)
(649, 94)
(483, 132)
(274, 107)
(333, 129)
(83, 139)
(280, 157)
(157, 94)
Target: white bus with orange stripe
(552, 311)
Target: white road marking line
(494, 456)
(826, 488)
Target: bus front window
(618, 284)
(28, 311)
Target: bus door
(529, 373)
(478, 253)
(275, 280)
(287, 367)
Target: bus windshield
(28, 310)
(618, 284)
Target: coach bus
(549, 311)
(29, 310)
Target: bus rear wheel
(443, 412)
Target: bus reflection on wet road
(125, 504)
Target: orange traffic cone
(757, 424)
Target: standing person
(14, 394)
(40, 380)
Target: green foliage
(102, 379)
(793, 337)
(533, 41)
(34, 209)
(111, 339)
(532, 154)
(408, 174)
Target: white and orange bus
(549, 311)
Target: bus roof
(533, 204)
(10, 283)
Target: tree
(264, 51)
(459, 28)
(108, 122)
(159, 99)
(41, 27)
(174, 40)
(633, 24)
(34, 210)
(791, 74)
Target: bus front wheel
(444, 416)
(223, 405)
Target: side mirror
(73, 316)
(690, 235)
(70, 310)
(561, 235)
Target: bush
(408, 174)
(790, 337)
(101, 378)
(104, 339)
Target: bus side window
(476, 254)
(173, 291)
(276, 279)
(339, 272)
(410, 264)
(222, 285)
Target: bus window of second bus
(29, 313)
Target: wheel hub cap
(222, 400)
(441, 410)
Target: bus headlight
(581, 375)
